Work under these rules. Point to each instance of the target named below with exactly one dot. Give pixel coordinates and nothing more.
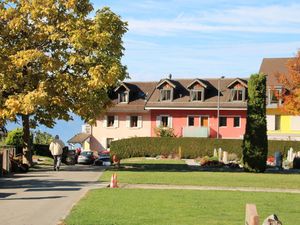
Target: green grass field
(142, 171)
(184, 207)
(180, 207)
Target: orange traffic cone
(113, 181)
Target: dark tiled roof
(79, 138)
(182, 95)
(272, 67)
(139, 92)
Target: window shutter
(127, 121)
(104, 121)
(116, 122)
(158, 121)
(140, 121)
(170, 121)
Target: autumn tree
(56, 59)
(255, 143)
(291, 83)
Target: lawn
(180, 207)
(175, 172)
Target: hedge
(190, 147)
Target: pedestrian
(56, 148)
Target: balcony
(195, 132)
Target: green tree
(255, 143)
(42, 138)
(55, 59)
(15, 137)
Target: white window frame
(126, 93)
(170, 121)
(243, 90)
(201, 94)
(279, 101)
(161, 95)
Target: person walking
(56, 148)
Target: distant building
(281, 125)
(189, 106)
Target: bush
(190, 147)
(15, 138)
(255, 144)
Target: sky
(199, 39)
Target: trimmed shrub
(190, 147)
(255, 144)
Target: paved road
(45, 197)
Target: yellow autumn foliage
(56, 59)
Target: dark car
(86, 157)
(103, 159)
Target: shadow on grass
(143, 167)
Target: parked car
(103, 159)
(86, 157)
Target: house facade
(280, 124)
(191, 107)
(127, 118)
(212, 108)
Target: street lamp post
(218, 109)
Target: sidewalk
(45, 197)
(208, 188)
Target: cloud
(276, 19)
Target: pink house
(214, 108)
(191, 107)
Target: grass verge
(180, 207)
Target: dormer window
(238, 90)
(274, 96)
(123, 93)
(123, 97)
(238, 94)
(166, 90)
(197, 95)
(197, 88)
(165, 95)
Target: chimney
(170, 76)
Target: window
(274, 96)
(123, 97)
(164, 121)
(236, 121)
(222, 121)
(133, 121)
(237, 95)
(191, 121)
(110, 121)
(196, 95)
(165, 95)
(108, 142)
(277, 122)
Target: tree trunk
(27, 155)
